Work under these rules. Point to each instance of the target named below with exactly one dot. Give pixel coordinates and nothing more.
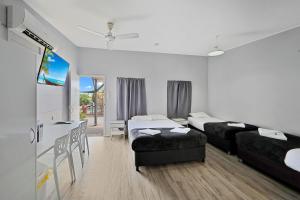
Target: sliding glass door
(92, 103)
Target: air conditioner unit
(22, 22)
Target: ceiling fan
(110, 37)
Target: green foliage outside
(85, 99)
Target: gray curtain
(131, 98)
(179, 99)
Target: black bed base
(228, 146)
(168, 157)
(276, 170)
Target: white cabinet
(17, 122)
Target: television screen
(53, 70)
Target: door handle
(31, 135)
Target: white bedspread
(140, 124)
(199, 122)
(292, 159)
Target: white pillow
(158, 117)
(142, 118)
(199, 115)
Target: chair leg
(83, 143)
(87, 144)
(73, 167)
(56, 181)
(72, 170)
(81, 155)
(111, 129)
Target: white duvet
(199, 122)
(167, 123)
(292, 159)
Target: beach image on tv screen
(53, 70)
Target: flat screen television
(53, 69)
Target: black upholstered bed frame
(267, 155)
(169, 156)
(228, 146)
(271, 168)
(225, 144)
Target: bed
(199, 122)
(218, 132)
(165, 147)
(223, 136)
(268, 154)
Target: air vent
(36, 38)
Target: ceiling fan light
(216, 52)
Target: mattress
(164, 141)
(144, 124)
(199, 122)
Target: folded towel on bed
(180, 130)
(272, 134)
(149, 131)
(240, 125)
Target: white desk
(50, 133)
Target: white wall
(155, 68)
(53, 102)
(259, 83)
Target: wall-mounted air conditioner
(23, 23)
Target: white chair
(61, 153)
(84, 136)
(75, 141)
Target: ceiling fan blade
(90, 31)
(127, 36)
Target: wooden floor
(110, 174)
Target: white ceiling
(179, 26)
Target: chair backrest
(83, 127)
(61, 145)
(75, 135)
